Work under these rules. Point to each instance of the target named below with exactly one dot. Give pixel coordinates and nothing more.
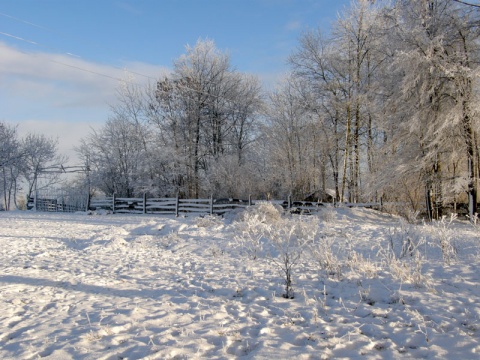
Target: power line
(86, 70)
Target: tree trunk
(470, 147)
(346, 153)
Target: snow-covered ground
(77, 286)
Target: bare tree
(341, 71)
(291, 137)
(10, 163)
(116, 156)
(40, 160)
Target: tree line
(385, 104)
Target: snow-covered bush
(404, 239)
(266, 212)
(474, 220)
(321, 249)
(327, 213)
(401, 209)
(263, 232)
(362, 265)
(402, 255)
(409, 270)
(251, 224)
(250, 236)
(443, 237)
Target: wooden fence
(204, 206)
(58, 202)
(164, 206)
(172, 206)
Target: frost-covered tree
(189, 134)
(433, 103)
(115, 156)
(10, 162)
(40, 160)
(204, 111)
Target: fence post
(35, 200)
(113, 203)
(144, 203)
(211, 204)
(289, 202)
(177, 201)
(249, 200)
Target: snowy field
(366, 286)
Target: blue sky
(45, 43)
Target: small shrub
(359, 264)
(250, 239)
(404, 239)
(474, 220)
(265, 212)
(443, 237)
(251, 224)
(208, 221)
(402, 210)
(410, 271)
(407, 269)
(322, 252)
(328, 213)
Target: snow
(78, 286)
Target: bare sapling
(289, 239)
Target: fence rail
(176, 206)
(168, 205)
(58, 203)
(205, 206)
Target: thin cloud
(129, 8)
(293, 25)
(68, 134)
(63, 76)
